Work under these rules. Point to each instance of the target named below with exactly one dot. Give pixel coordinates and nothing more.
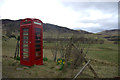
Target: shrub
(18, 58)
(45, 59)
(60, 61)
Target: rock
(57, 67)
(13, 64)
(19, 69)
(29, 73)
(25, 67)
(12, 57)
(52, 67)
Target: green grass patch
(107, 52)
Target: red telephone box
(31, 42)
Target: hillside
(110, 32)
(14, 25)
(55, 28)
(111, 35)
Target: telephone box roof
(33, 19)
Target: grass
(8, 47)
(101, 52)
(106, 52)
(49, 70)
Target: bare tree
(74, 57)
(56, 46)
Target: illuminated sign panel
(37, 23)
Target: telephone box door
(38, 46)
(25, 45)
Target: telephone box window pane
(37, 45)
(25, 58)
(25, 33)
(26, 22)
(25, 45)
(37, 33)
(37, 41)
(37, 37)
(25, 50)
(25, 41)
(37, 49)
(25, 29)
(25, 54)
(25, 37)
(38, 55)
(37, 29)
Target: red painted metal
(31, 42)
